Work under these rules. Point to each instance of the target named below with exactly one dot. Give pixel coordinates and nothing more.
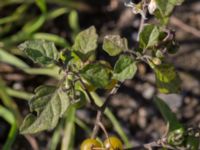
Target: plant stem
(115, 89)
(142, 21)
(86, 90)
(102, 109)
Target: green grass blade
(15, 16)
(7, 115)
(51, 37)
(42, 5)
(56, 138)
(19, 94)
(33, 25)
(10, 118)
(12, 60)
(81, 124)
(8, 102)
(11, 137)
(57, 12)
(117, 127)
(69, 131)
(51, 71)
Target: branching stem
(102, 109)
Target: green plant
(79, 70)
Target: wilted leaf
(167, 79)
(114, 44)
(49, 103)
(97, 74)
(125, 68)
(86, 41)
(149, 36)
(40, 51)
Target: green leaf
(176, 129)
(86, 41)
(49, 103)
(176, 2)
(40, 51)
(42, 96)
(114, 44)
(97, 74)
(148, 36)
(167, 79)
(168, 115)
(165, 7)
(79, 100)
(90, 56)
(125, 68)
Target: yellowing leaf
(167, 79)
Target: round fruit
(113, 143)
(89, 144)
(156, 61)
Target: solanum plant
(81, 74)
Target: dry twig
(177, 22)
